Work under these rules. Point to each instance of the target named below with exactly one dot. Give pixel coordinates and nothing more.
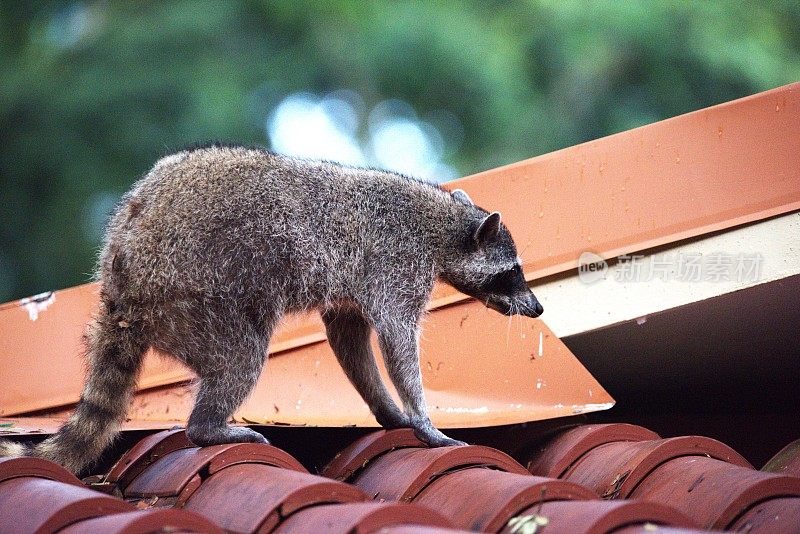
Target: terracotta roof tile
(713, 492)
(650, 528)
(786, 461)
(615, 469)
(179, 473)
(35, 467)
(33, 504)
(598, 517)
(553, 457)
(145, 522)
(400, 475)
(775, 515)
(481, 499)
(360, 518)
(145, 453)
(363, 450)
(253, 497)
(672, 484)
(418, 529)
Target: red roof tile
(176, 475)
(775, 515)
(787, 461)
(418, 529)
(35, 467)
(713, 492)
(145, 522)
(145, 453)
(360, 518)
(598, 517)
(401, 474)
(481, 499)
(553, 457)
(615, 469)
(253, 497)
(650, 528)
(685, 482)
(360, 452)
(33, 504)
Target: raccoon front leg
(348, 333)
(399, 341)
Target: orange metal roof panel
(704, 171)
(478, 368)
(464, 348)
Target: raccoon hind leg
(217, 398)
(228, 352)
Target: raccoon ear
(488, 229)
(459, 195)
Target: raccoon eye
(503, 282)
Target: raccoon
(215, 244)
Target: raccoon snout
(532, 307)
(526, 305)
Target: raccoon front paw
(430, 435)
(204, 437)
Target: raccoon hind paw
(204, 437)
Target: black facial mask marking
(505, 283)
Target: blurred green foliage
(92, 93)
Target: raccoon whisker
(521, 252)
(513, 312)
(520, 324)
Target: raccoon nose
(533, 307)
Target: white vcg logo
(591, 268)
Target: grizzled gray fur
(215, 244)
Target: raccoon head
(486, 266)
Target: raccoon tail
(115, 350)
